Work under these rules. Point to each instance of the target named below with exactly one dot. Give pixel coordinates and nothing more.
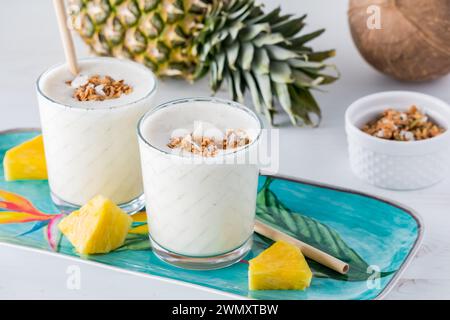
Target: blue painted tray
(376, 237)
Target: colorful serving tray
(378, 238)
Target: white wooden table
(30, 44)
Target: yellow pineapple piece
(98, 227)
(282, 266)
(26, 161)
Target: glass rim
(126, 61)
(227, 102)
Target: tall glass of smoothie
(200, 179)
(89, 129)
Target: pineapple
(98, 227)
(26, 161)
(280, 267)
(233, 40)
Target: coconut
(413, 41)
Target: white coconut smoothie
(91, 145)
(199, 205)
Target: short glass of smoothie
(200, 170)
(89, 130)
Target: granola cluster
(209, 146)
(396, 125)
(97, 88)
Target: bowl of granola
(399, 140)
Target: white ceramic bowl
(398, 165)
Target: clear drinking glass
(91, 147)
(200, 210)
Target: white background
(29, 43)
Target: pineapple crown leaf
(265, 55)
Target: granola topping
(207, 143)
(397, 125)
(97, 88)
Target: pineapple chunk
(26, 161)
(98, 227)
(280, 267)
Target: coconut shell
(413, 43)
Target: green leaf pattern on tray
(273, 212)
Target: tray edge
(413, 213)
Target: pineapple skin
(157, 33)
(26, 161)
(280, 267)
(99, 226)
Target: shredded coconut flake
(96, 88)
(207, 142)
(79, 81)
(409, 125)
